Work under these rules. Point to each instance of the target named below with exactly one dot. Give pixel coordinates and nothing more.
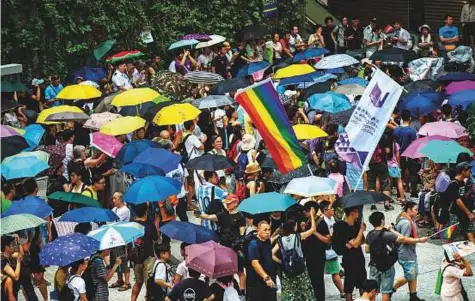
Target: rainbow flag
(261, 102)
(448, 232)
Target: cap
(462, 166)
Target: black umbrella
(303, 171)
(253, 32)
(12, 145)
(424, 84)
(314, 89)
(8, 104)
(140, 109)
(342, 117)
(210, 162)
(229, 85)
(153, 110)
(360, 198)
(394, 55)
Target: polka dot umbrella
(68, 249)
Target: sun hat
(252, 168)
(248, 142)
(424, 26)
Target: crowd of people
(279, 253)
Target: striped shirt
(204, 196)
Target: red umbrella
(212, 259)
(124, 55)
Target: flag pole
(444, 229)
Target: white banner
(371, 115)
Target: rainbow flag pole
(446, 233)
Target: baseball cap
(462, 166)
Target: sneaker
(388, 207)
(373, 207)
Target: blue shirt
(448, 32)
(261, 251)
(51, 92)
(404, 136)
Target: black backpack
(137, 254)
(154, 291)
(185, 157)
(87, 276)
(67, 293)
(292, 263)
(383, 255)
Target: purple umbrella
(443, 128)
(197, 36)
(455, 87)
(6, 131)
(412, 151)
(211, 259)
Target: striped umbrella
(213, 101)
(18, 222)
(124, 55)
(117, 234)
(201, 77)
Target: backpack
(67, 293)
(87, 276)
(185, 157)
(383, 255)
(242, 162)
(154, 291)
(292, 263)
(137, 255)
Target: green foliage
(56, 36)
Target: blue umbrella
(94, 74)
(183, 43)
(329, 102)
(335, 70)
(354, 80)
(131, 150)
(23, 167)
(160, 158)
(33, 134)
(462, 98)
(188, 232)
(139, 110)
(117, 234)
(141, 170)
(306, 78)
(252, 67)
(151, 189)
(309, 53)
(68, 249)
(266, 202)
(423, 102)
(456, 77)
(89, 214)
(30, 204)
(318, 79)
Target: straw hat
(252, 168)
(248, 142)
(424, 26)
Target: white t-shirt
(123, 213)
(120, 80)
(161, 272)
(179, 174)
(77, 285)
(330, 223)
(192, 144)
(218, 117)
(277, 50)
(204, 61)
(451, 288)
(182, 270)
(172, 67)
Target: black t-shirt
(190, 289)
(220, 63)
(261, 251)
(150, 235)
(275, 223)
(229, 225)
(357, 34)
(312, 246)
(388, 237)
(455, 190)
(343, 233)
(3, 262)
(327, 37)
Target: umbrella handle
(310, 169)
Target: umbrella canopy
(351, 89)
(253, 32)
(105, 103)
(204, 78)
(462, 98)
(134, 97)
(425, 84)
(123, 56)
(342, 118)
(176, 114)
(30, 204)
(313, 89)
(7, 131)
(214, 39)
(117, 234)
(229, 85)
(59, 109)
(360, 198)
(336, 61)
(131, 150)
(103, 48)
(443, 128)
(303, 171)
(307, 80)
(89, 214)
(40, 155)
(422, 102)
(57, 154)
(307, 131)
(456, 77)
(142, 170)
(311, 186)
(212, 259)
(412, 151)
(123, 125)
(443, 151)
(12, 145)
(153, 110)
(209, 162)
(18, 222)
(253, 67)
(394, 55)
(213, 101)
(330, 102)
(98, 120)
(354, 81)
(309, 53)
(151, 189)
(74, 92)
(196, 36)
(12, 86)
(9, 104)
(160, 99)
(89, 74)
(33, 135)
(266, 202)
(67, 116)
(139, 110)
(173, 84)
(75, 198)
(183, 43)
(106, 144)
(68, 249)
(23, 167)
(159, 157)
(188, 232)
(90, 83)
(294, 70)
(455, 87)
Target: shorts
(410, 268)
(119, 252)
(394, 172)
(385, 279)
(332, 267)
(380, 171)
(354, 277)
(142, 270)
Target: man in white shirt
(194, 145)
(121, 210)
(120, 80)
(119, 207)
(296, 42)
(162, 269)
(204, 60)
(402, 38)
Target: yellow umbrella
(134, 97)
(59, 109)
(294, 70)
(123, 125)
(79, 92)
(307, 131)
(176, 114)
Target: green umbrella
(103, 48)
(443, 151)
(160, 98)
(12, 86)
(18, 222)
(40, 155)
(76, 198)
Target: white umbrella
(352, 89)
(215, 39)
(117, 234)
(336, 61)
(90, 83)
(311, 186)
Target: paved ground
(430, 256)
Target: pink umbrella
(6, 131)
(105, 143)
(412, 151)
(211, 259)
(443, 128)
(455, 87)
(99, 119)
